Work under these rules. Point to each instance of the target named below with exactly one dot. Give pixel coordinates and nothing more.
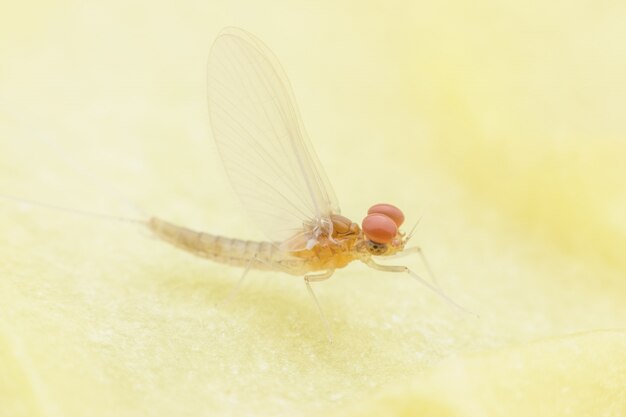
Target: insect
(275, 172)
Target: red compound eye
(379, 228)
(393, 212)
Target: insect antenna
(412, 231)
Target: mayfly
(275, 172)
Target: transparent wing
(263, 144)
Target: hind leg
(317, 277)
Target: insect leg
(424, 260)
(236, 288)
(396, 268)
(308, 278)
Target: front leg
(317, 277)
(396, 268)
(418, 250)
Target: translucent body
(329, 254)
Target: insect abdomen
(236, 252)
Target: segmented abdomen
(235, 252)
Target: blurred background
(501, 123)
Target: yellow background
(502, 123)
